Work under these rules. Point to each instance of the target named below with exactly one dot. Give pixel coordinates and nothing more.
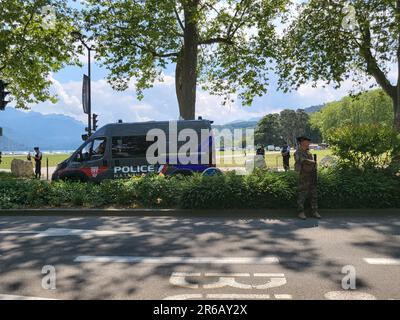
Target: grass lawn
(273, 159)
(54, 159)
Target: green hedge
(337, 189)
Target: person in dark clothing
(286, 157)
(38, 162)
(260, 151)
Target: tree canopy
(285, 127)
(335, 40)
(34, 41)
(373, 107)
(224, 46)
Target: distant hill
(24, 130)
(314, 109)
(252, 123)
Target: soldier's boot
(315, 214)
(302, 215)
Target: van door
(129, 156)
(90, 163)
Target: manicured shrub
(338, 188)
(352, 188)
(365, 146)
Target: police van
(123, 150)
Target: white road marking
(283, 296)
(228, 296)
(14, 297)
(175, 260)
(269, 275)
(349, 295)
(61, 232)
(178, 279)
(235, 296)
(18, 232)
(383, 261)
(184, 297)
(210, 274)
(228, 280)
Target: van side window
(94, 150)
(130, 147)
(99, 148)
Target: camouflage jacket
(304, 162)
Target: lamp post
(78, 36)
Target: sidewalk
(210, 213)
(44, 172)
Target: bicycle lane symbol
(238, 281)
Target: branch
(217, 40)
(372, 65)
(155, 53)
(234, 17)
(240, 22)
(179, 19)
(147, 48)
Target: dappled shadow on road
(379, 236)
(287, 239)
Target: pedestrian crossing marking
(382, 261)
(178, 260)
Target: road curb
(232, 213)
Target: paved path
(198, 258)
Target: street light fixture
(78, 36)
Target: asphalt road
(198, 258)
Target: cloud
(322, 93)
(159, 103)
(210, 107)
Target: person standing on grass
(307, 169)
(286, 157)
(260, 151)
(38, 162)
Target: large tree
(269, 130)
(372, 107)
(213, 43)
(34, 41)
(285, 127)
(333, 40)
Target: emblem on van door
(94, 171)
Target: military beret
(302, 138)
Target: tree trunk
(396, 110)
(396, 98)
(186, 66)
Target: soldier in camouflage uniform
(307, 168)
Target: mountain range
(24, 130)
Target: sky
(160, 102)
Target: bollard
(47, 169)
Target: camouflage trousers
(307, 189)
